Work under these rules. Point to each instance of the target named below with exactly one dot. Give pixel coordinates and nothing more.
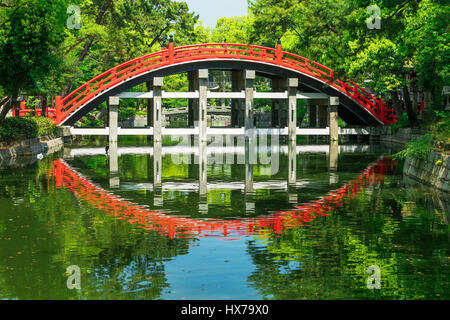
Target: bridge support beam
(203, 103)
(156, 84)
(113, 118)
(333, 104)
(249, 94)
(292, 107)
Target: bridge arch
(357, 106)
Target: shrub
(418, 148)
(402, 122)
(46, 127)
(16, 128)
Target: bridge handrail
(194, 52)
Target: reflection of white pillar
(293, 198)
(113, 162)
(292, 179)
(333, 178)
(250, 159)
(203, 205)
(333, 156)
(157, 108)
(157, 164)
(202, 90)
(202, 165)
(157, 198)
(113, 104)
(157, 174)
(292, 107)
(249, 206)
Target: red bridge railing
(65, 106)
(23, 111)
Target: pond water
(140, 223)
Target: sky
(212, 10)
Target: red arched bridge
(356, 105)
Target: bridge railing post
(278, 52)
(171, 50)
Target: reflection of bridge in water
(203, 155)
(180, 226)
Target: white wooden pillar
(113, 118)
(292, 108)
(157, 83)
(249, 77)
(202, 90)
(333, 118)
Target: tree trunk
(396, 103)
(7, 107)
(412, 116)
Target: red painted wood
(173, 55)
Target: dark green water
(132, 240)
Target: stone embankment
(433, 171)
(30, 147)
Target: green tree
(31, 32)
(232, 30)
(409, 51)
(114, 32)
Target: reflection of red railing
(181, 227)
(79, 97)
